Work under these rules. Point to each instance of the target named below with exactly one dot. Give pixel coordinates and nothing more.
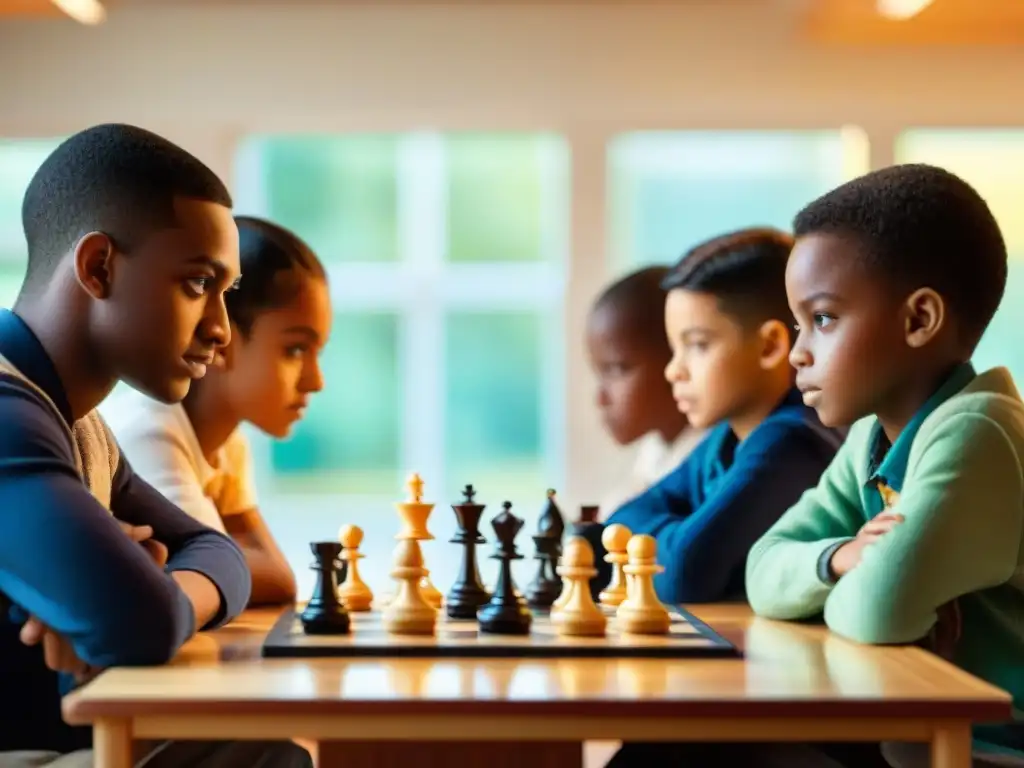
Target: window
(445, 255)
(670, 190)
(990, 160)
(19, 160)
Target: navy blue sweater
(64, 559)
(708, 512)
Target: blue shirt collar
(888, 464)
(26, 353)
(725, 452)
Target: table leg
(951, 745)
(112, 743)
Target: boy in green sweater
(915, 532)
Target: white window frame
(421, 287)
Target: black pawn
(547, 585)
(467, 593)
(506, 613)
(324, 614)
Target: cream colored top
(161, 445)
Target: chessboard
(688, 637)
(555, 615)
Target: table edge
(80, 710)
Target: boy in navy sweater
(131, 247)
(730, 329)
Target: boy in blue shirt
(131, 247)
(730, 329)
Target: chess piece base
(464, 601)
(414, 622)
(542, 593)
(496, 619)
(430, 593)
(315, 621)
(358, 602)
(634, 622)
(578, 624)
(612, 597)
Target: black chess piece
(324, 613)
(506, 613)
(588, 514)
(468, 592)
(547, 584)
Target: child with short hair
(194, 452)
(131, 248)
(915, 531)
(628, 354)
(729, 327)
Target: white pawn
(615, 539)
(579, 615)
(408, 613)
(353, 592)
(641, 613)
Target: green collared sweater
(962, 500)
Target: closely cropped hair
(745, 270)
(638, 299)
(112, 178)
(921, 226)
(274, 261)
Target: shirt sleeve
(784, 574)
(703, 550)
(64, 559)
(961, 533)
(191, 545)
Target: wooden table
(796, 683)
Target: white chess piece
(615, 539)
(408, 613)
(414, 513)
(641, 613)
(579, 615)
(353, 592)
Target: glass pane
(493, 404)
(338, 192)
(506, 197)
(350, 440)
(668, 191)
(989, 160)
(19, 160)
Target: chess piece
(468, 592)
(408, 612)
(615, 540)
(588, 514)
(505, 613)
(641, 613)
(353, 592)
(579, 616)
(414, 514)
(324, 614)
(546, 585)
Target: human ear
(925, 316)
(94, 255)
(775, 344)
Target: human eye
(295, 350)
(197, 286)
(823, 319)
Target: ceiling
(835, 22)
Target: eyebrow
(303, 330)
(699, 330)
(821, 295)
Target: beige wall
(203, 76)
